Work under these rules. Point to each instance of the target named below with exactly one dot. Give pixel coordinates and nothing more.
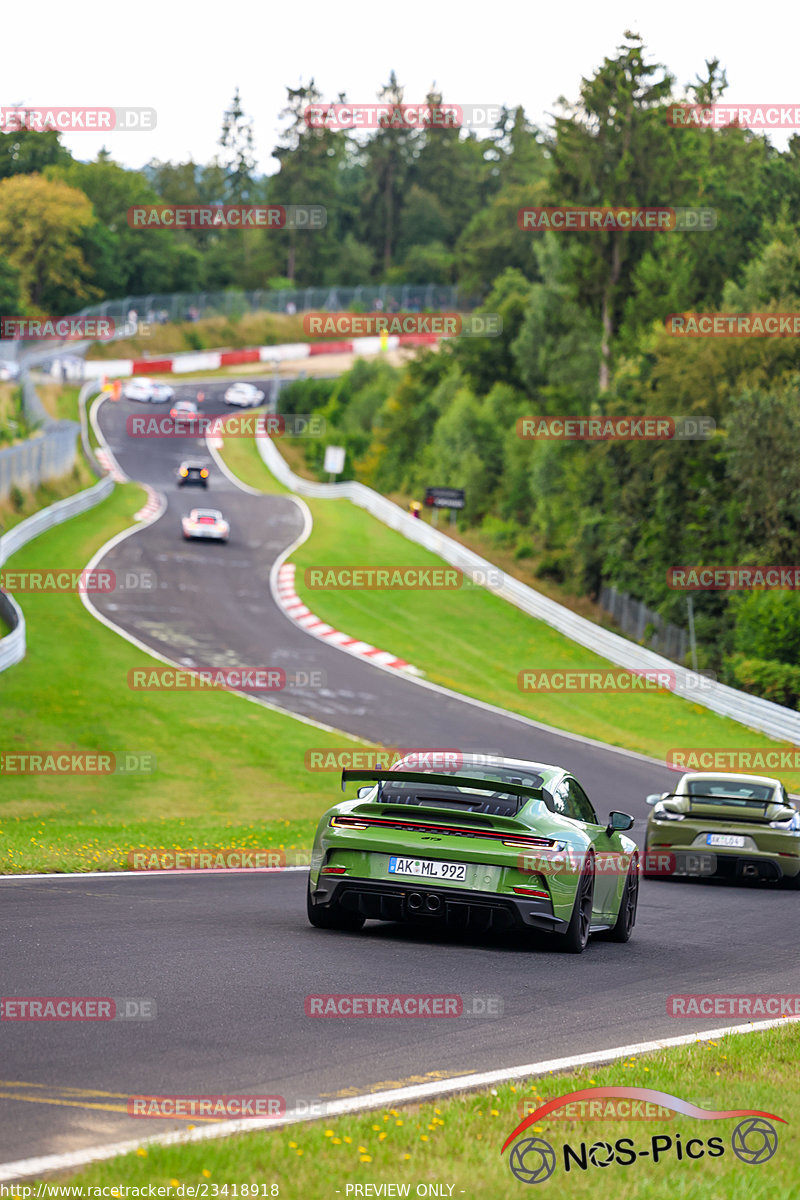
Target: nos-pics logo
(754, 1139)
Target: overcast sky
(185, 60)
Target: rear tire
(626, 918)
(333, 916)
(576, 938)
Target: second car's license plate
(427, 868)
(725, 839)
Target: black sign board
(441, 497)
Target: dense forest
(583, 322)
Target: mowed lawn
(473, 642)
(228, 772)
(456, 1142)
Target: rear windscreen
(725, 792)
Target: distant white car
(8, 370)
(148, 391)
(205, 523)
(244, 395)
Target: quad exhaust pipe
(415, 901)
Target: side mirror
(364, 791)
(654, 797)
(618, 822)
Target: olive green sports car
(512, 845)
(734, 826)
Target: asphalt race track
(228, 959)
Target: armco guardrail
(12, 646)
(772, 719)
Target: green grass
(229, 772)
(458, 1141)
(473, 642)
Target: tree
(613, 149)
(310, 158)
(387, 158)
(26, 152)
(42, 223)
(238, 162)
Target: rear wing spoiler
(429, 779)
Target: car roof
(194, 462)
(206, 512)
(726, 777)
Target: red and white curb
(299, 612)
(151, 506)
(110, 465)
(212, 360)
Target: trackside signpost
(445, 497)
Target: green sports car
(512, 845)
(733, 826)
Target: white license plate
(427, 868)
(725, 839)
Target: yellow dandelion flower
(365, 1158)
(205, 1171)
(142, 1152)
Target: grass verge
(229, 772)
(473, 642)
(456, 1142)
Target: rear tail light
(525, 891)
(333, 871)
(540, 843)
(350, 823)
(184, 472)
(204, 474)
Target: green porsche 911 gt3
(514, 845)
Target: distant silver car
(185, 410)
(148, 391)
(205, 523)
(244, 395)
